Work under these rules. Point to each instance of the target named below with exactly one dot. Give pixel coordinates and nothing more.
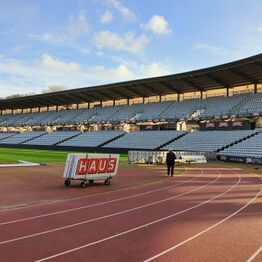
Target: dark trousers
(170, 169)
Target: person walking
(170, 161)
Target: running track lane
(16, 246)
(59, 221)
(84, 202)
(137, 242)
(142, 214)
(81, 254)
(135, 249)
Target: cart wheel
(67, 182)
(91, 181)
(107, 182)
(83, 184)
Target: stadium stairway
(66, 139)
(237, 107)
(115, 113)
(238, 141)
(32, 138)
(3, 136)
(170, 141)
(166, 109)
(111, 140)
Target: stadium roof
(242, 72)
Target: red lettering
(102, 167)
(92, 165)
(82, 166)
(111, 165)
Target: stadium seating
(252, 105)
(247, 148)
(4, 135)
(22, 137)
(242, 104)
(221, 106)
(92, 139)
(53, 138)
(153, 111)
(180, 110)
(208, 141)
(144, 139)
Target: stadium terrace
(215, 110)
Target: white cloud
(121, 8)
(48, 37)
(52, 63)
(121, 72)
(156, 69)
(106, 17)
(214, 50)
(158, 25)
(20, 77)
(114, 42)
(78, 26)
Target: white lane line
(107, 216)
(254, 255)
(206, 230)
(98, 204)
(82, 197)
(259, 249)
(139, 227)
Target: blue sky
(78, 43)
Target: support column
(101, 103)
(178, 97)
(144, 99)
(255, 88)
(201, 94)
(56, 108)
(227, 91)
(39, 109)
(160, 98)
(114, 102)
(88, 105)
(12, 111)
(77, 106)
(128, 101)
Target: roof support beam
(82, 98)
(93, 96)
(258, 63)
(41, 102)
(217, 80)
(131, 90)
(117, 93)
(168, 86)
(103, 94)
(151, 89)
(55, 99)
(190, 82)
(243, 75)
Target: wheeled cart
(90, 167)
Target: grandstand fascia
(243, 72)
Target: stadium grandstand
(216, 109)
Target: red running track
(207, 214)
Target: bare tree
(19, 95)
(52, 89)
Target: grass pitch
(12, 155)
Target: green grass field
(11, 155)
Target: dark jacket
(170, 158)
